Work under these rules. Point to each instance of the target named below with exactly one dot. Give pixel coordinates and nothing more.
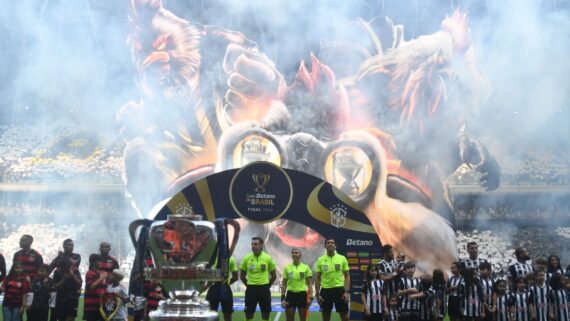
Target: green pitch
(313, 316)
(239, 316)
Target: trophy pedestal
(184, 307)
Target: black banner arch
(262, 192)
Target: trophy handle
(225, 249)
(133, 229)
(237, 229)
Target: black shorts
(375, 317)
(333, 296)
(39, 313)
(453, 307)
(67, 308)
(410, 315)
(221, 294)
(296, 299)
(255, 294)
(92, 316)
(430, 318)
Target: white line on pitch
(277, 316)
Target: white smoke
(67, 61)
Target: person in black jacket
(42, 286)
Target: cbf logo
(338, 215)
(184, 209)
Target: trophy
(253, 150)
(345, 163)
(187, 252)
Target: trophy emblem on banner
(345, 163)
(187, 252)
(260, 180)
(253, 150)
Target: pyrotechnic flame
(422, 234)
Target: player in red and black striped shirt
(74, 258)
(153, 292)
(15, 287)
(95, 285)
(109, 263)
(28, 258)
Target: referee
(257, 272)
(332, 282)
(297, 286)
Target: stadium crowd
(542, 165)
(67, 153)
(32, 154)
(530, 165)
(510, 212)
(62, 207)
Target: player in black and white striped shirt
(374, 296)
(487, 283)
(521, 302)
(500, 307)
(540, 294)
(519, 268)
(426, 298)
(406, 286)
(471, 295)
(559, 310)
(473, 261)
(389, 271)
(393, 308)
(453, 305)
(427, 303)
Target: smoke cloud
(66, 63)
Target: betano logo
(351, 242)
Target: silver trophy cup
(187, 253)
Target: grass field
(239, 316)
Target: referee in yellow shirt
(332, 282)
(296, 287)
(257, 272)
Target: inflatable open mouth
(297, 235)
